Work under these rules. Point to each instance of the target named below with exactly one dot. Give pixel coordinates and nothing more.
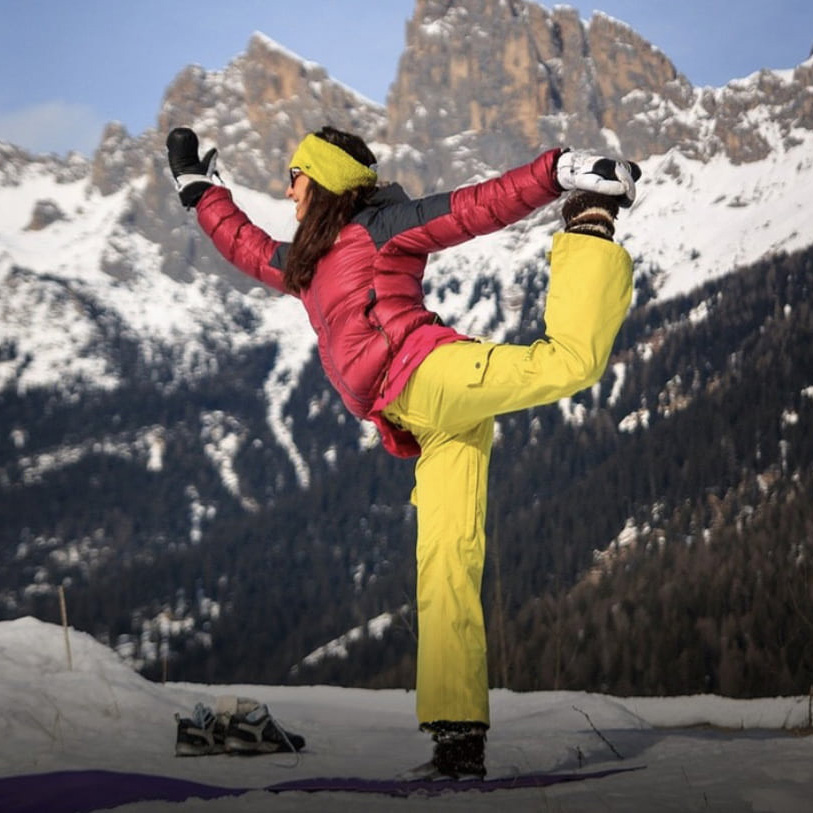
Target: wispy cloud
(56, 127)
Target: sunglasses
(294, 172)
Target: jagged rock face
(467, 66)
(255, 112)
(482, 85)
(518, 69)
(535, 77)
(260, 106)
(631, 76)
(118, 159)
(45, 213)
(789, 104)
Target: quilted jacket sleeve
(483, 208)
(243, 244)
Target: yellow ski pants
(449, 404)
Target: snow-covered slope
(692, 221)
(61, 302)
(698, 220)
(48, 274)
(700, 753)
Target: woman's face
(299, 192)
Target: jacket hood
(388, 194)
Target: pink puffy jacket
(366, 296)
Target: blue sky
(69, 66)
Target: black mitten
(193, 176)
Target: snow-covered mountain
(107, 283)
(73, 260)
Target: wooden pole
(64, 612)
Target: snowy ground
(701, 753)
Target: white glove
(595, 173)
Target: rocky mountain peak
(259, 106)
(481, 85)
(517, 68)
(119, 158)
(514, 71)
(623, 63)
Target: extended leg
(459, 385)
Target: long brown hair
(327, 213)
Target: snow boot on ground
(201, 734)
(459, 752)
(256, 732)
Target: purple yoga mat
(85, 791)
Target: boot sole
(235, 745)
(185, 749)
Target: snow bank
(700, 752)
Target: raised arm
(441, 221)
(243, 244)
(481, 208)
(246, 246)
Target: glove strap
(183, 181)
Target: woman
(357, 262)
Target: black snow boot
(459, 749)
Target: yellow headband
(331, 166)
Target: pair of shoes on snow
(459, 752)
(233, 731)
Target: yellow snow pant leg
(450, 493)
